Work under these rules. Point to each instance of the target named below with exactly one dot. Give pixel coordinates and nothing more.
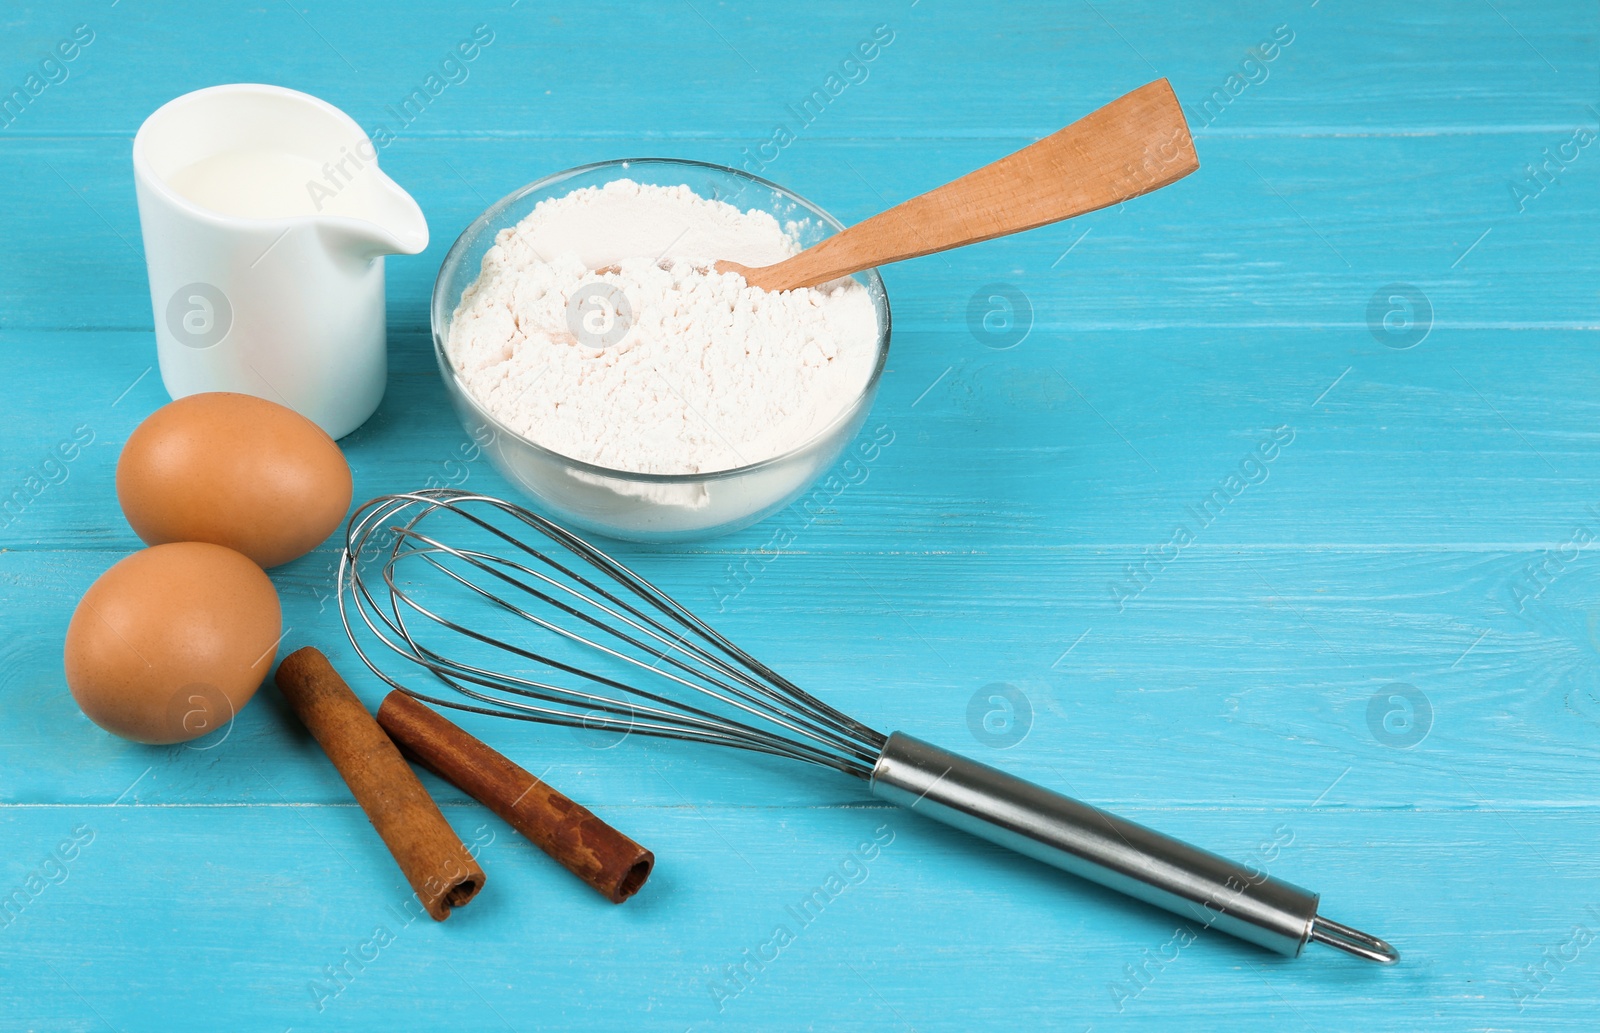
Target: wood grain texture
(1417, 556)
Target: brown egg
(171, 642)
(233, 470)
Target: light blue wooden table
(1372, 668)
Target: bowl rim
(453, 258)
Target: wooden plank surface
(1407, 556)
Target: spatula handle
(1136, 144)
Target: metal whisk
(604, 649)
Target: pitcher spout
(382, 220)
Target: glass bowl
(641, 506)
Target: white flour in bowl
(655, 363)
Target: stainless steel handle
(1109, 850)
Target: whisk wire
(781, 689)
(453, 673)
(789, 692)
(705, 721)
(631, 623)
(714, 687)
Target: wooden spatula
(1137, 143)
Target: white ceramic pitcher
(265, 221)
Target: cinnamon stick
(434, 859)
(584, 845)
